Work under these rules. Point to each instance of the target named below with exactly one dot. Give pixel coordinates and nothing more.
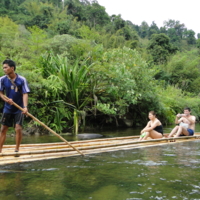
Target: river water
(162, 172)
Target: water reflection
(162, 172)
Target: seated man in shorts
(188, 127)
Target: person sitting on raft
(153, 129)
(186, 125)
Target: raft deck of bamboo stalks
(44, 151)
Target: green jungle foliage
(86, 68)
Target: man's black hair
(10, 63)
(187, 108)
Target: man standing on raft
(16, 89)
(185, 118)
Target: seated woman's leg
(146, 136)
(155, 135)
(141, 137)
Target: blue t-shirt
(16, 94)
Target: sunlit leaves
(8, 32)
(122, 80)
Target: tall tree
(160, 48)
(117, 22)
(198, 43)
(174, 38)
(96, 14)
(144, 28)
(39, 13)
(175, 31)
(190, 36)
(153, 29)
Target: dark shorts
(190, 131)
(11, 119)
(160, 132)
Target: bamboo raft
(44, 151)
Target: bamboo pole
(45, 126)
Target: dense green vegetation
(86, 68)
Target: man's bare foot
(170, 136)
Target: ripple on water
(158, 198)
(152, 163)
(194, 192)
(50, 169)
(186, 148)
(195, 161)
(134, 152)
(133, 161)
(195, 186)
(170, 155)
(193, 153)
(163, 179)
(114, 156)
(116, 162)
(77, 166)
(5, 171)
(173, 181)
(133, 192)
